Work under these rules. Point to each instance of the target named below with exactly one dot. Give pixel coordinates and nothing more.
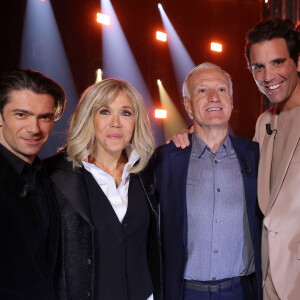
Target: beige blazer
(281, 207)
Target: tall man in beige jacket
(272, 51)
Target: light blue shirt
(219, 241)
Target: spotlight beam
(119, 62)
(42, 50)
(182, 62)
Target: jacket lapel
(264, 169)
(72, 184)
(247, 164)
(291, 144)
(179, 162)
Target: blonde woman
(109, 215)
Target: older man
(29, 104)
(210, 220)
(272, 51)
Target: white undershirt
(117, 196)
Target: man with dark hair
(29, 104)
(272, 52)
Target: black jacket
(76, 255)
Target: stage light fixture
(103, 19)
(159, 6)
(160, 114)
(266, 1)
(158, 82)
(99, 73)
(216, 47)
(161, 36)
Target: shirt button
(88, 261)
(120, 240)
(88, 294)
(216, 251)
(217, 220)
(125, 225)
(216, 161)
(218, 190)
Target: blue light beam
(182, 62)
(119, 62)
(42, 50)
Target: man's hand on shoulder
(181, 139)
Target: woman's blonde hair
(81, 141)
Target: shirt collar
(132, 155)
(19, 164)
(199, 147)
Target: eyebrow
(27, 112)
(256, 65)
(206, 84)
(107, 106)
(282, 59)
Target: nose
(33, 126)
(115, 121)
(213, 96)
(269, 74)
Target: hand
(181, 138)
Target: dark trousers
(246, 289)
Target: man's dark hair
(274, 28)
(36, 82)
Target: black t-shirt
(38, 203)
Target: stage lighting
(103, 19)
(99, 73)
(158, 81)
(161, 36)
(159, 6)
(216, 47)
(160, 114)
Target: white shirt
(117, 196)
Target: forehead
(121, 99)
(30, 101)
(267, 51)
(207, 76)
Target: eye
(257, 67)
(278, 62)
(104, 111)
(48, 118)
(222, 89)
(126, 113)
(20, 115)
(201, 91)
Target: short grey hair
(205, 65)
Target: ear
(298, 63)
(1, 120)
(187, 105)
